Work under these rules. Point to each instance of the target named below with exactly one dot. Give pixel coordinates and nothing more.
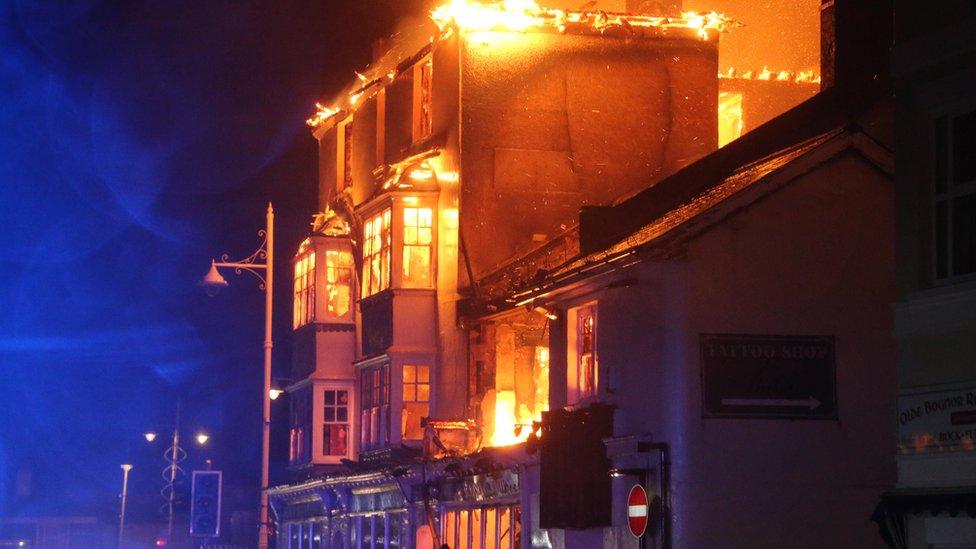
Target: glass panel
(505, 528)
(476, 528)
(409, 373)
(964, 148)
(423, 392)
(394, 531)
(409, 392)
(964, 235)
(330, 397)
(412, 413)
(342, 414)
(450, 528)
(423, 374)
(463, 532)
(491, 527)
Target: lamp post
(213, 282)
(174, 454)
(126, 467)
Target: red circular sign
(637, 510)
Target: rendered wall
(814, 258)
(551, 122)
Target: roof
(695, 197)
(417, 38)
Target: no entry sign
(637, 510)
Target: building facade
(933, 66)
(478, 364)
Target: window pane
(491, 531)
(450, 528)
(964, 235)
(329, 413)
(409, 373)
(964, 148)
(463, 538)
(330, 397)
(423, 392)
(342, 414)
(409, 392)
(423, 374)
(410, 419)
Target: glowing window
(484, 526)
(426, 120)
(729, 117)
(303, 310)
(376, 253)
(581, 352)
(344, 155)
(335, 422)
(338, 286)
(374, 385)
(416, 400)
(417, 238)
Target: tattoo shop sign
(935, 421)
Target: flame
(322, 113)
(522, 15)
(511, 15)
(514, 420)
(805, 76)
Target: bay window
(376, 253)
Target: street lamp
(173, 455)
(126, 467)
(212, 283)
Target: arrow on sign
(808, 402)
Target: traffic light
(205, 504)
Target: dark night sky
(139, 140)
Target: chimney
(855, 41)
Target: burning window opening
(510, 377)
(729, 117)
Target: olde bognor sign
(774, 376)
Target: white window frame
(951, 192)
(319, 421)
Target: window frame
(423, 96)
(575, 352)
(319, 404)
(942, 170)
(300, 442)
(418, 206)
(383, 220)
(302, 316)
(375, 398)
(344, 154)
(416, 384)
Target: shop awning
(896, 505)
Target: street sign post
(637, 510)
(768, 376)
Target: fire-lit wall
(550, 122)
(814, 258)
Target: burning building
(441, 391)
